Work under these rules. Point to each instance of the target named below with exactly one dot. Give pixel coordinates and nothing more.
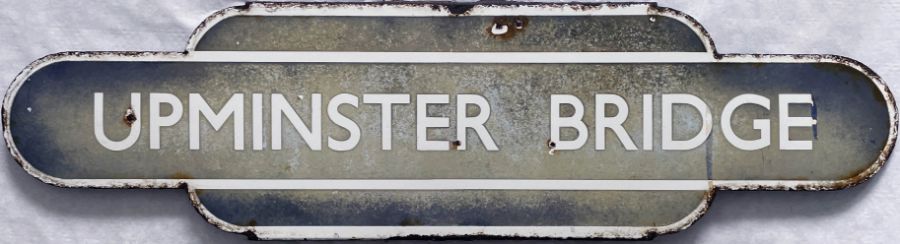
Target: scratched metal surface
(833, 207)
(851, 131)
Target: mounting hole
(129, 117)
(519, 24)
(499, 29)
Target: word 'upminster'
(311, 131)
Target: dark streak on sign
(459, 9)
(410, 221)
(181, 175)
(709, 157)
(813, 112)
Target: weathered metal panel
(513, 56)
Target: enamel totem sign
(376, 121)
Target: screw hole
(552, 146)
(129, 117)
(499, 29)
(519, 24)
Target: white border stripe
(434, 57)
(455, 184)
(437, 57)
(379, 232)
(572, 9)
(443, 57)
(449, 57)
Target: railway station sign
(375, 121)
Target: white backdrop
(33, 212)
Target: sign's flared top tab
(410, 27)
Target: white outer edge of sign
(380, 232)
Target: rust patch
(409, 221)
(454, 145)
(181, 175)
(507, 27)
(551, 145)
